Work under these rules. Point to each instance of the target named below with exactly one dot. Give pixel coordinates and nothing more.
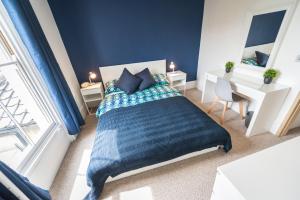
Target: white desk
(266, 100)
(271, 174)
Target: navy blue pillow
(147, 78)
(262, 58)
(128, 82)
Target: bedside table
(177, 80)
(92, 96)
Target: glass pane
(13, 143)
(22, 122)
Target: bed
(140, 131)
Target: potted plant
(269, 75)
(228, 66)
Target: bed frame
(147, 168)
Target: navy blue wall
(109, 32)
(264, 28)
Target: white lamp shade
(92, 75)
(172, 65)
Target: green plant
(229, 65)
(270, 73)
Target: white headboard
(109, 73)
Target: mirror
(262, 35)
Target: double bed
(147, 129)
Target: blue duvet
(132, 137)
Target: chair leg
(212, 105)
(223, 113)
(241, 105)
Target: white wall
(46, 19)
(289, 67)
(223, 30)
(224, 23)
(44, 169)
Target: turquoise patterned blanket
(121, 99)
(250, 61)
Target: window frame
(40, 91)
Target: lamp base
(91, 82)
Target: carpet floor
(190, 179)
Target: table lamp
(172, 66)
(92, 76)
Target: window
(25, 117)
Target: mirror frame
(290, 7)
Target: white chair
(224, 92)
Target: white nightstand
(177, 80)
(92, 96)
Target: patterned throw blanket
(147, 128)
(250, 61)
(120, 99)
(115, 98)
(133, 137)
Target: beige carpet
(190, 179)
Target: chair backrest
(223, 89)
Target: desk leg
(266, 111)
(254, 124)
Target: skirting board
(80, 188)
